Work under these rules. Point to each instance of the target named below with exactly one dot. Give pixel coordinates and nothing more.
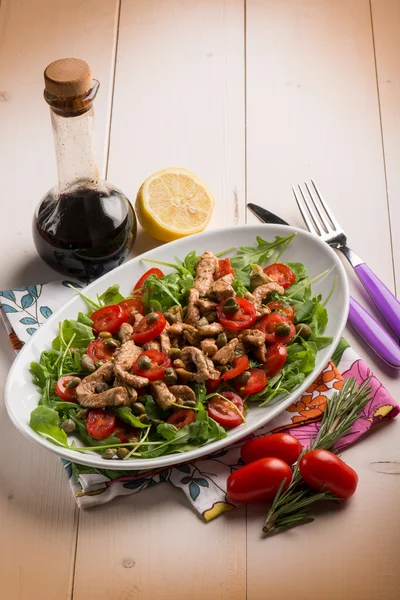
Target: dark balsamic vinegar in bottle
(84, 226)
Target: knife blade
(363, 322)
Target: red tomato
(224, 268)
(131, 306)
(244, 317)
(100, 423)
(268, 325)
(68, 394)
(97, 350)
(282, 307)
(276, 358)
(240, 364)
(277, 445)
(212, 385)
(145, 332)
(258, 481)
(182, 417)
(257, 381)
(121, 433)
(159, 362)
(223, 412)
(137, 291)
(109, 318)
(282, 274)
(323, 469)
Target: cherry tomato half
(100, 423)
(68, 394)
(145, 332)
(121, 433)
(282, 307)
(268, 326)
(137, 290)
(108, 318)
(97, 350)
(159, 362)
(257, 381)
(244, 317)
(240, 364)
(323, 469)
(224, 268)
(258, 481)
(131, 306)
(182, 417)
(276, 358)
(223, 412)
(278, 445)
(280, 273)
(212, 385)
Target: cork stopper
(68, 78)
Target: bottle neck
(75, 152)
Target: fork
(319, 219)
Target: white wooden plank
(38, 515)
(179, 101)
(33, 34)
(386, 26)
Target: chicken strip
(222, 288)
(193, 311)
(210, 329)
(161, 394)
(125, 332)
(183, 393)
(226, 354)
(204, 366)
(123, 362)
(252, 337)
(88, 397)
(207, 267)
(209, 347)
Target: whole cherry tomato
(258, 481)
(278, 445)
(322, 469)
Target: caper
(304, 331)
(98, 364)
(138, 409)
(144, 419)
(211, 316)
(258, 277)
(174, 353)
(68, 426)
(101, 387)
(282, 329)
(109, 453)
(109, 343)
(202, 322)
(87, 363)
(230, 306)
(151, 318)
(82, 414)
(243, 377)
(75, 381)
(222, 340)
(134, 438)
(105, 334)
(144, 362)
(122, 452)
(171, 378)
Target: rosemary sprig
(342, 410)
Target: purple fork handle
(386, 302)
(375, 336)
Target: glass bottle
(84, 226)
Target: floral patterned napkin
(204, 481)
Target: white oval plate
(22, 396)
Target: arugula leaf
(125, 414)
(85, 320)
(246, 255)
(153, 411)
(112, 295)
(45, 420)
(68, 328)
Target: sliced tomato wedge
(212, 385)
(268, 326)
(276, 358)
(137, 290)
(224, 268)
(131, 306)
(145, 332)
(97, 350)
(244, 317)
(282, 307)
(257, 381)
(159, 362)
(240, 364)
(100, 423)
(108, 318)
(280, 273)
(182, 417)
(68, 394)
(223, 412)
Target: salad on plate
(180, 361)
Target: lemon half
(173, 203)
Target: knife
(369, 329)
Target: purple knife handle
(375, 336)
(386, 302)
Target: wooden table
(253, 97)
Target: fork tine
(305, 211)
(323, 220)
(326, 208)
